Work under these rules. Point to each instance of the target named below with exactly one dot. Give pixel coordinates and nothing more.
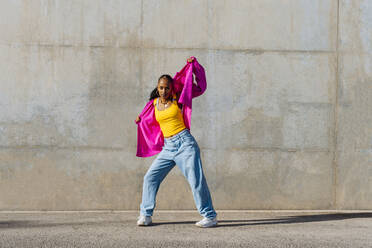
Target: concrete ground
(177, 229)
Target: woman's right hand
(138, 119)
(189, 60)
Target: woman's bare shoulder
(176, 96)
(175, 99)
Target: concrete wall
(285, 122)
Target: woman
(167, 115)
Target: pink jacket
(150, 139)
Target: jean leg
(190, 163)
(158, 170)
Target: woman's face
(164, 88)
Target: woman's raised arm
(200, 79)
(198, 71)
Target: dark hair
(154, 92)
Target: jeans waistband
(178, 135)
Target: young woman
(168, 113)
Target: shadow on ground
(221, 222)
(281, 220)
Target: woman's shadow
(281, 220)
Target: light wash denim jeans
(183, 150)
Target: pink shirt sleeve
(200, 79)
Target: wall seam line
(335, 115)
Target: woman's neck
(164, 100)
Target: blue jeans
(183, 150)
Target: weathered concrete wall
(354, 108)
(285, 122)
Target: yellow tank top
(170, 119)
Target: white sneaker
(206, 222)
(144, 220)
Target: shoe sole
(214, 225)
(144, 224)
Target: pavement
(177, 229)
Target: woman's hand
(138, 119)
(191, 59)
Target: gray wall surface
(285, 122)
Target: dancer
(164, 129)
